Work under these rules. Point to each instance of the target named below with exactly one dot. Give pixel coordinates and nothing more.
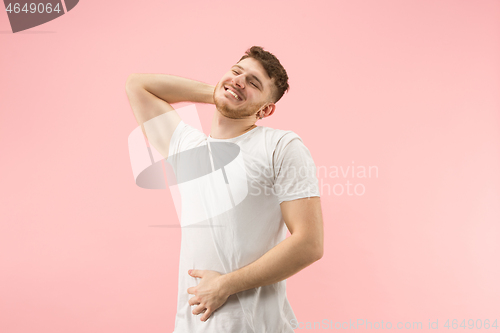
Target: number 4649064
(471, 323)
(34, 8)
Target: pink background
(411, 87)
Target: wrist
(209, 95)
(227, 285)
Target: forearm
(284, 260)
(173, 89)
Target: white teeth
(233, 93)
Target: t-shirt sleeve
(184, 138)
(294, 170)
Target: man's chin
(224, 110)
(228, 114)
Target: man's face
(250, 82)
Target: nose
(238, 80)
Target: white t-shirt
(230, 192)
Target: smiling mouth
(232, 93)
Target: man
(234, 261)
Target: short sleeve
(184, 138)
(294, 170)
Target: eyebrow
(255, 77)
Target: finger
(196, 272)
(199, 309)
(193, 301)
(206, 315)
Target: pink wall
(408, 87)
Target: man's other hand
(209, 294)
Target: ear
(268, 110)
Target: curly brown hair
(273, 68)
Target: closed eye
(236, 73)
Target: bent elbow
(132, 80)
(319, 254)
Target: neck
(227, 128)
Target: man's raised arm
(150, 96)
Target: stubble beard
(222, 105)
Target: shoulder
(278, 138)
